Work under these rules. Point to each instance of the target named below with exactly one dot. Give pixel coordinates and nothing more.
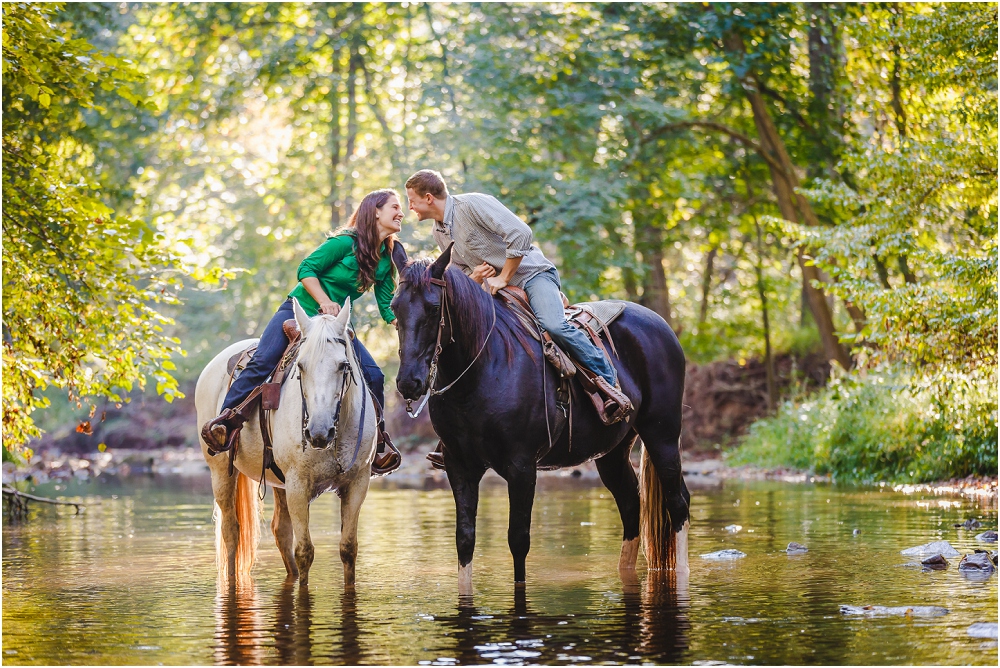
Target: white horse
(316, 449)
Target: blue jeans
(543, 293)
(272, 345)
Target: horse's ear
(301, 318)
(398, 254)
(344, 315)
(440, 264)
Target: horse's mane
(472, 312)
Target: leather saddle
(266, 397)
(592, 318)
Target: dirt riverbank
(700, 470)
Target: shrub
(883, 425)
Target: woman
(347, 264)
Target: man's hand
(482, 272)
(329, 308)
(495, 283)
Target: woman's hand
(329, 308)
(482, 272)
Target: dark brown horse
(491, 410)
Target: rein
(433, 370)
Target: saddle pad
(239, 361)
(606, 310)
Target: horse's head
(324, 366)
(417, 306)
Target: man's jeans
(543, 293)
(272, 345)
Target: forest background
(775, 180)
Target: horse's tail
(658, 539)
(248, 516)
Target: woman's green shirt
(336, 267)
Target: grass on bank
(883, 425)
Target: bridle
(348, 378)
(438, 347)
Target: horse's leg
(297, 501)
(350, 507)
(667, 500)
(619, 477)
(281, 527)
(227, 527)
(521, 494)
(465, 489)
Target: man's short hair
(428, 181)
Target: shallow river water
(132, 581)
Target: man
(493, 246)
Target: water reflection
(132, 582)
(239, 625)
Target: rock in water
(977, 563)
(897, 611)
(969, 524)
(796, 548)
(856, 532)
(987, 537)
(723, 555)
(941, 547)
(983, 630)
(734, 528)
(937, 562)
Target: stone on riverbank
(896, 611)
(724, 555)
(941, 547)
(983, 630)
(796, 548)
(987, 537)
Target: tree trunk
(654, 282)
(772, 389)
(706, 284)
(825, 72)
(352, 129)
(335, 141)
(793, 206)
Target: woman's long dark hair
(365, 226)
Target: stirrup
(617, 406)
(436, 457)
(384, 464)
(216, 442)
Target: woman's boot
(387, 457)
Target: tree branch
(718, 127)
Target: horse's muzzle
(411, 388)
(321, 441)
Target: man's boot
(617, 406)
(220, 433)
(436, 457)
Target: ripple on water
(133, 581)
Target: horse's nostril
(332, 434)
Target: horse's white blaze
(465, 579)
(312, 471)
(629, 555)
